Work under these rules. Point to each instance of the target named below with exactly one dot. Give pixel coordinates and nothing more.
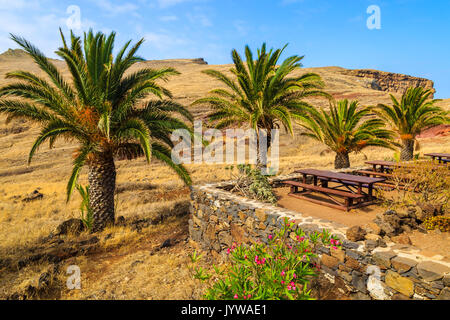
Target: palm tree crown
(409, 116)
(263, 95)
(98, 109)
(344, 130)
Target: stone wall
(364, 269)
(388, 81)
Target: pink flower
(236, 296)
(256, 259)
(270, 237)
(294, 275)
(249, 296)
(334, 248)
(289, 287)
(228, 251)
(292, 283)
(302, 238)
(282, 281)
(282, 273)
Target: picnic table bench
(349, 187)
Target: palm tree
(414, 113)
(263, 95)
(344, 130)
(98, 109)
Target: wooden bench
(308, 188)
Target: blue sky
(414, 36)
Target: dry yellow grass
(124, 269)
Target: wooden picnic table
(350, 187)
(442, 157)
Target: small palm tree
(98, 109)
(344, 130)
(263, 95)
(414, 113)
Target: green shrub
(86, 213)
(280, 269)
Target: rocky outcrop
(199, 61)
(13, 53)
(388, 81)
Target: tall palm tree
(101, 108)
(262, 94)
(344, 130)
(409, 116)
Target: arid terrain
(131, 262)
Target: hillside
(368, 86)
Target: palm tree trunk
(407, 152)
(102, 184)
(341, 160)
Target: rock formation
(388, 81)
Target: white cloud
(114, 9)
(164, 41)
(8, 5)
(170, 3)
(38, 26)
(199, 18)
(241, 27)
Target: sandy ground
(432, 244)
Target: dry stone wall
(365, 269)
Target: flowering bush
(280, 269)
